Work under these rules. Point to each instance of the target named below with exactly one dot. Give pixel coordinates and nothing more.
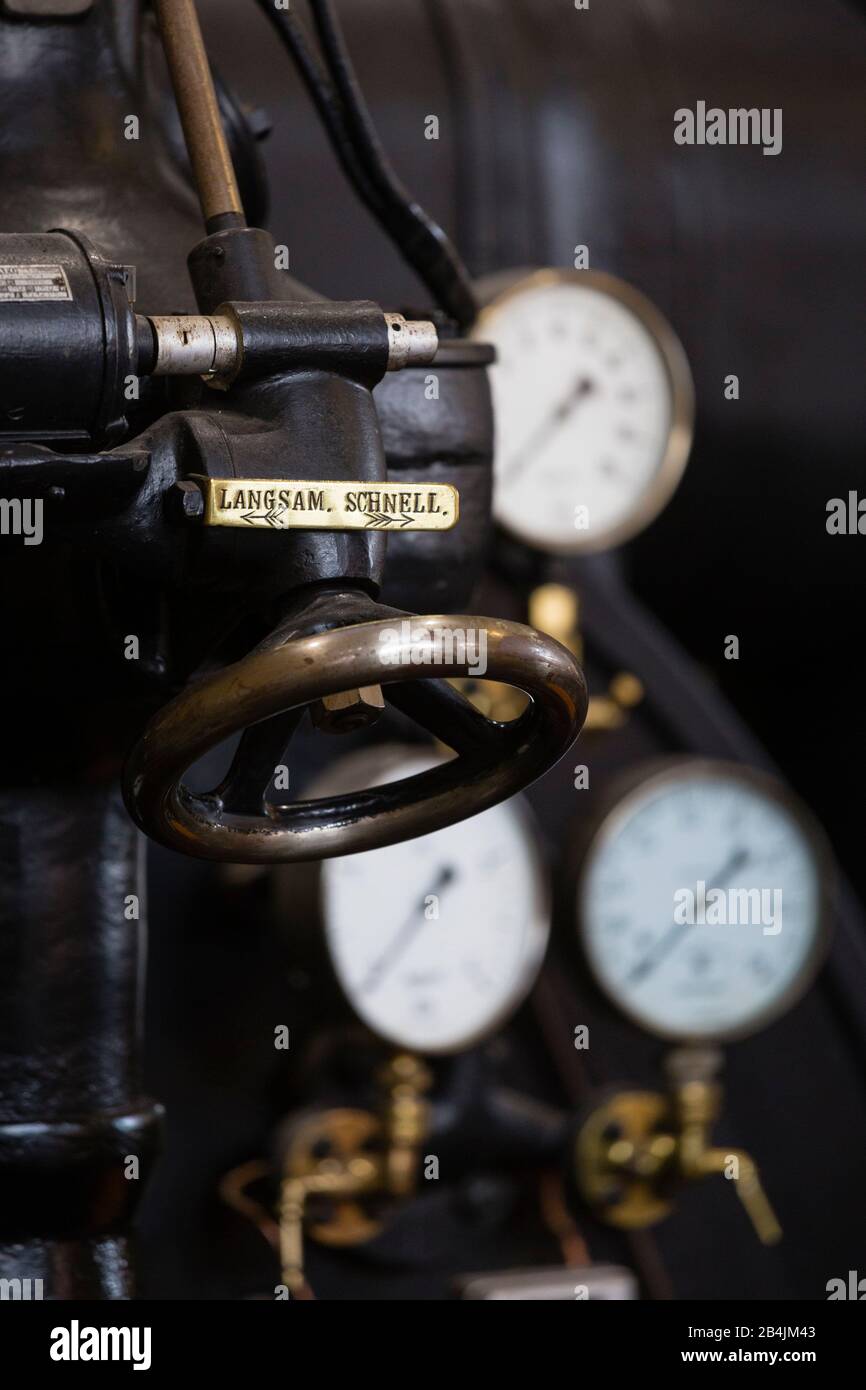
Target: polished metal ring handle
(288, 673)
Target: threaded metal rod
(199, 112)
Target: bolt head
(186, 501)
(348, 710)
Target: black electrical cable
(431, 248)
(337, 97)
(324, 97)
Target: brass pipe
(199, 113)
(406, 1120)
(747, 1185)
(355, 1178)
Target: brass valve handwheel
(628, 1126)
(322, 652)
(327, 1144)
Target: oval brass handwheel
(308, 659)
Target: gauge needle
(406, 933)
(675, 933)
(549, 425)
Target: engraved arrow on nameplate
(270, 518)
(383, 520)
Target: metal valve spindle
(206, 143)
(212, 345)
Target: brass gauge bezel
(639, 788)
(666, 478)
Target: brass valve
(348, 1157)
(555, 610)
(638, 1146)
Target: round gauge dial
(593, 407)
(701, 901)
(436, 941)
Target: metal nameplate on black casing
(305, 504)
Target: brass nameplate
(329, 506)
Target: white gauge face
(592, 407)
(436, 940)
(701, 903)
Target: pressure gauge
(702, 901)
(435, 941)
(593, 407)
